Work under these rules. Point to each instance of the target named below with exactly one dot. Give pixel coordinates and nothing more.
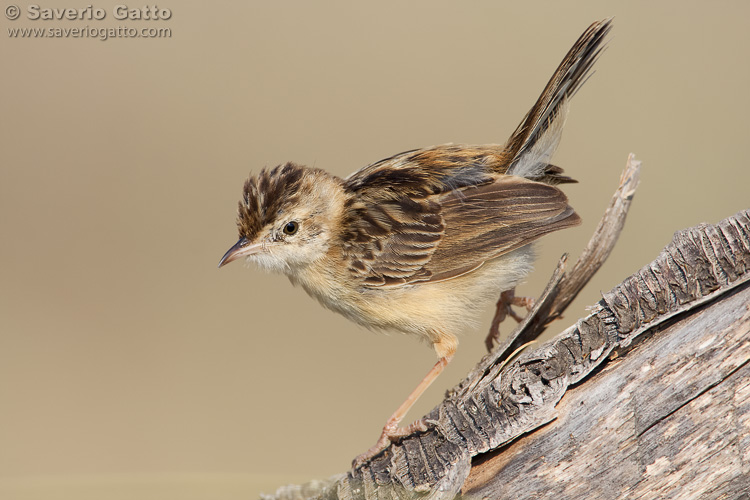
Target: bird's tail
(534, 141)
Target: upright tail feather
(534, 141)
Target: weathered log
(647, 397)
(669, 419)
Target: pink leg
(391, 431)
(502, 310)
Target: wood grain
(663, 421)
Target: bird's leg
(391, 431)
(503, 309)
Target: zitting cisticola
(420, 241)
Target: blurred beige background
(130, 367)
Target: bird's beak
(242, 248)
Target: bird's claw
(503, 310)
(391, 433)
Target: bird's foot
(391, 433)
(503, 310)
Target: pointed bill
(241, 249)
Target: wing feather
(390, 243)
(488, 221)
(445, 235)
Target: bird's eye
(291, 227)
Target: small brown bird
(421, 241)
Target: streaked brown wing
(485, 222)
(390, 242)
(445, 235)
(439, 169)
(428, 171)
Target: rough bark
(669, 419)
(647, 397)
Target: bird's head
(287, 217)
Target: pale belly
(431, 311)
